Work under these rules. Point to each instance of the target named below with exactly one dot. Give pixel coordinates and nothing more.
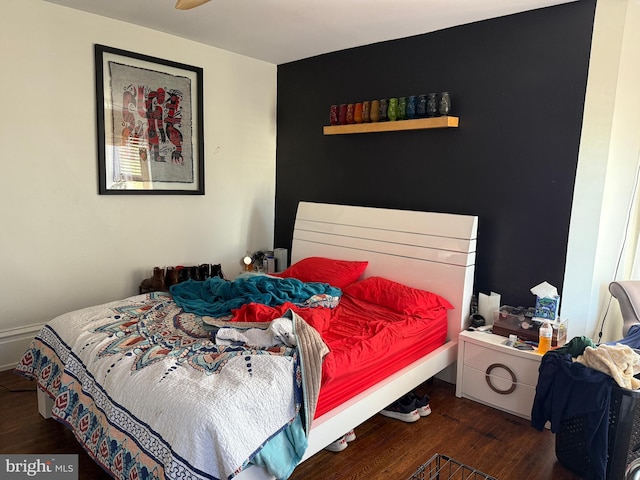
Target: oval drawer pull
(493, 387)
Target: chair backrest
(627, 292)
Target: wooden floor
(493, 442)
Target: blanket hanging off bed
(216, 297)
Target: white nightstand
(496, 375)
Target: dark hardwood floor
(493, 442)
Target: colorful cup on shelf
(402, 108)
(334, 118)
(384, 107)
(444, 106)
(366, 111)
(350, 113)
(411, 107)
(342, 114)
(421, 106)
(374, 112)
(392, 109)
(357, 112)
(432, 104)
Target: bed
(418, 251)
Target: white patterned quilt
(149, 394)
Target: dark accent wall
(518, 85)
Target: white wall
(607, 168)
(63, 246)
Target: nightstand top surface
(496, 342)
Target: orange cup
(357, 112)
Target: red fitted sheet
(370, 342)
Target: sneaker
(338, 445)
(422, 403)
(402, 409)
(350, 436)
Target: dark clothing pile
(567, 389)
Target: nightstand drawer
(498, 390)
(522, 370)
(489, 372)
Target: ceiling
(281, 31)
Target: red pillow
(397, 296)
(338, 273)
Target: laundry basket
(623, 438)
(441, 467)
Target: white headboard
(431, 251)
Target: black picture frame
(150, 124)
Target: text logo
(45, 467)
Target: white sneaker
(424, 411)
(422, 403)
(338, 445)
(350, 436)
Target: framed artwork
(150, 132)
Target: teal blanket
(216, 297)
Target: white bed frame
(431, 251)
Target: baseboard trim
(14, 342)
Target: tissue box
(521, 322)
(547, 307)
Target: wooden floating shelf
(392, 126)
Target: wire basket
(441, 467)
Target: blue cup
(411, 107)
